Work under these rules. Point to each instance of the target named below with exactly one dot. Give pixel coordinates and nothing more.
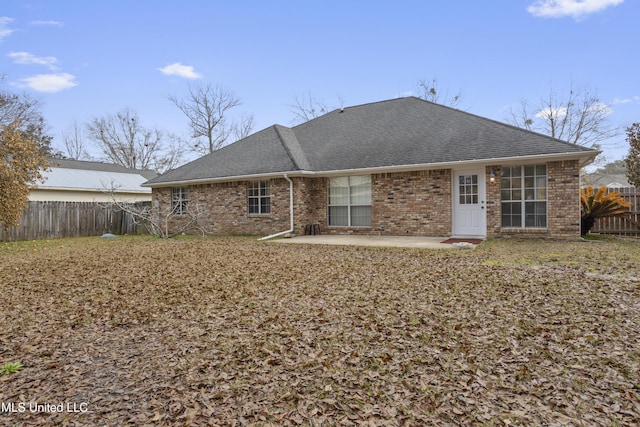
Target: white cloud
(5, 31)
(601, 108)
(48, 23)
(617, 101)
(26, 58)
(547, 113)
(180, 70)
(49, 83)
(557, 113)
(573, 8)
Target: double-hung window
(179, 200)
(259, 197)
(350, 201)
(523, 196)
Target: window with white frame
(523, 196)
(350, 201)
(179, 200)
(259, 197)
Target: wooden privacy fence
(628, 224)
(49, 220)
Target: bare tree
(156, 217)
(207, 108)
(581, 118)
(430, 91)
(243, 128)
(25, 111)
(124, 141)
(73, 141)
(171, 155)
(18, 108)
(307, 107)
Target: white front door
(469, 213)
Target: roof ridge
(292, 147)
(343, 108)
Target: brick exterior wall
(409, 203)
(563, 204)
(493, 201)
(310, 201)
(417, 203)
(224, 208)
(412, 203)
(564, 198)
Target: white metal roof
(91, 180)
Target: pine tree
(632, 161)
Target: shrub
(599, 204)
(10, 368)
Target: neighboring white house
(611, 180)
(82, 181)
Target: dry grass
(230, 331)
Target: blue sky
(87, 59)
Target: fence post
(47, 219)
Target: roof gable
(260, 153)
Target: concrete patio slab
(388, 241)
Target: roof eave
(585, 158)
(89, 190)
(201, 181)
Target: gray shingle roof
(398, 132)
(260, 153)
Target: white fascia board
(584, 158)
(462, 163)
(91, 190)
(251, 177)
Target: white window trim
(179, 200)
(348, 205)
(259, 197)
(523, 201)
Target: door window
(468, 189)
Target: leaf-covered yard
(231, 331)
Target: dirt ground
(231, 331)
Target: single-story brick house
(399, 167)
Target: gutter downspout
(290, 230)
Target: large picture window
(523, 196)
(179, 200)
(259, 197)
(350, 201)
